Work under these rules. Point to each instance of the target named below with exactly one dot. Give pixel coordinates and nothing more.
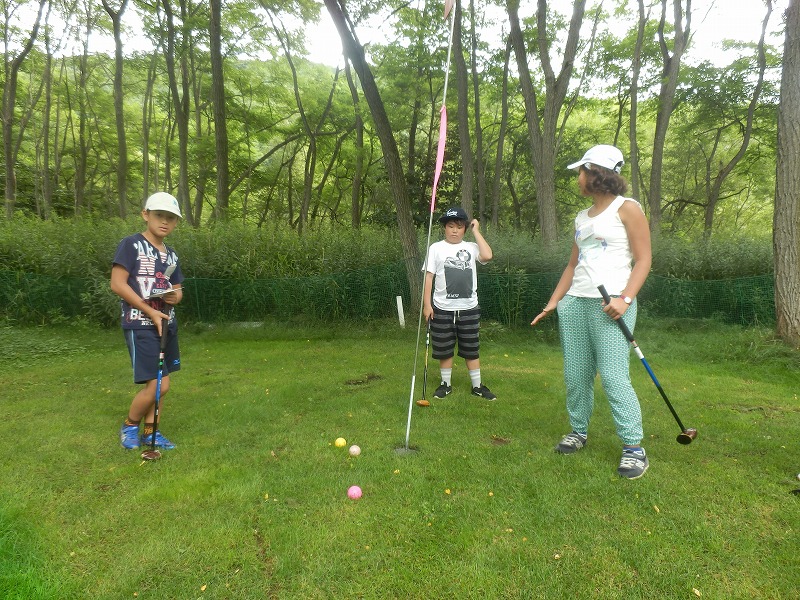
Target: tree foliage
(192, 104)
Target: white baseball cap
(163, 201)
(608, 157)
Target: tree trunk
(147, 121)
(220, 117)
(47, 175)
(354, 51)
(81, 155)
(11, 68)
(355, 209)
(501, 138)
(180, 103)
(666, 98)
(119, 97)
(715, 187)
(310, 164)
(542, 128)
(786, 224)
(462, 86)
(635, 70)
(476, 80)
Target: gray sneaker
(633, 464)
(571, 443)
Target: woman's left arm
(638, 230)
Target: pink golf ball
(355, 450)
(354, 492)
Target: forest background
(226, 111)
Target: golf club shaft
(629, 336)
(427, 349)
(163, 347)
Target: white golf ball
(355, 450)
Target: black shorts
(451, 326)
(144, 346)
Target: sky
(712, 21)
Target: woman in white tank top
(612, 248)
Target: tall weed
(85, 247)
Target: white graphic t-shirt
(455, 281)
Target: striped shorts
(451, 326)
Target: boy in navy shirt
(147, 277)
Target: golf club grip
(625, 331)
(164, 333)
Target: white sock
(447, 375)
(475, 377)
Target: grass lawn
(253, 503)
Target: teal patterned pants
(593, 343)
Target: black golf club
(423, 401)
(686, 435)
(154, 454)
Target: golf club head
(686, 436)
(423, 402)
(151, 455)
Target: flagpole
(437, 172)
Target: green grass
(252, 503)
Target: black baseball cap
(454, 214)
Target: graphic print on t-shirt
(591, 245)
(149, 280)
(147, 277)
(458, 275)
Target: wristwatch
(627, 300)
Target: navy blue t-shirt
(146, 265)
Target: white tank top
(604, 252)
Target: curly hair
(604, 181)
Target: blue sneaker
(161, 441)
(129, 436)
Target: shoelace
(631, 460)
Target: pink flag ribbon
(439, 154)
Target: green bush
(84, 248)
(57, 270)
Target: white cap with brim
(163, 201)
(608, 157)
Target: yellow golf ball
(340, 442)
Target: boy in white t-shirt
(451, 299)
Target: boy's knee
(153, 386)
